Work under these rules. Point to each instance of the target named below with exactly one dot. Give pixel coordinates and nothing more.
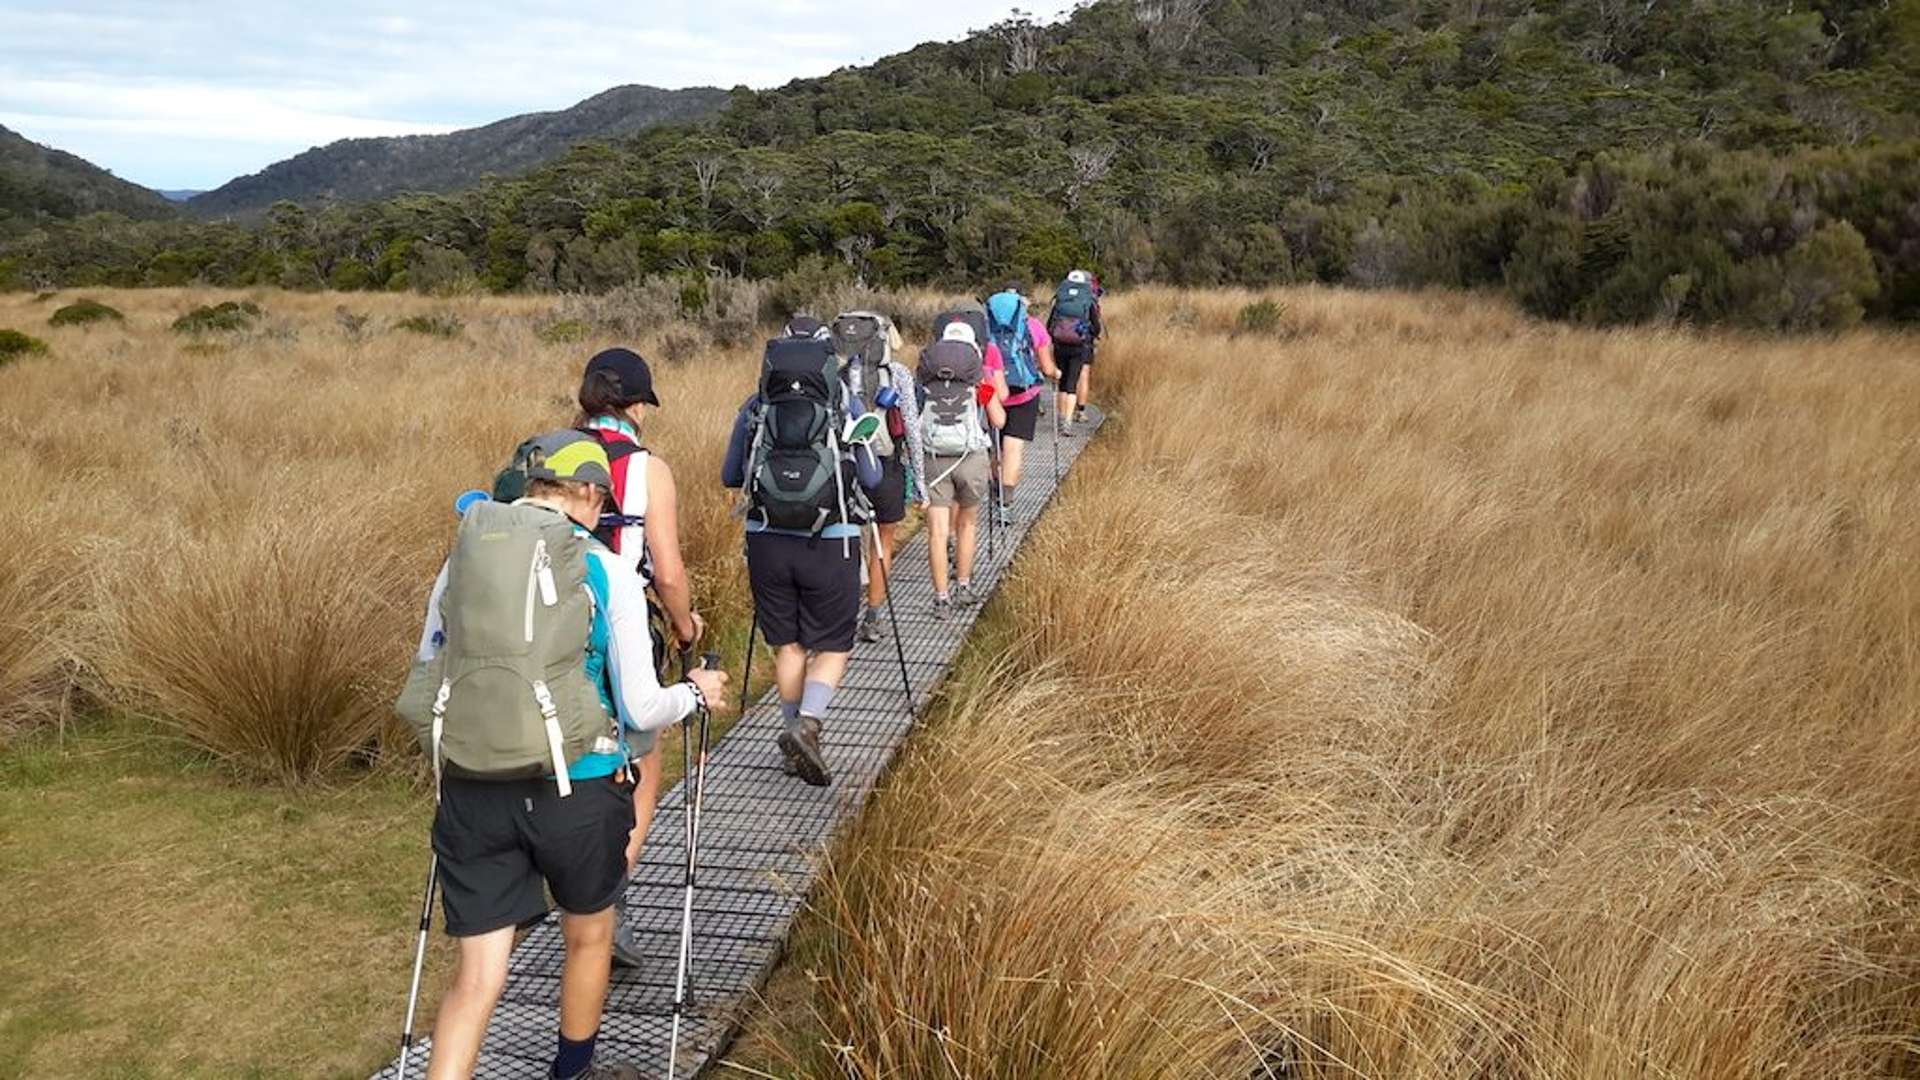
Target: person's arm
(663, 544)
(643, 704)
(916, 443)
(733, 471)
(1043, 348)
(1094, 324)
(433, 637)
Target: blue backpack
(1007, 323)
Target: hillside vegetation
(359, 169)
(39, 184)
(1710, 160)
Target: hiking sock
(815, 699)
(789, 711)
(574, 1058)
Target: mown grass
(1423, 693)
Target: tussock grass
(1423, 692)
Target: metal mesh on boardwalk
(761, 834)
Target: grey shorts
(958, 481)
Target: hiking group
(539, 689)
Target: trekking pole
(893, 615)
(696, 779)
(1059, 425)
(419, 963)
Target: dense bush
(14, 344)
(85, 312)
(563, 332)
(225, 317)
(440, 326)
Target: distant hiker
(535, 674)
(642, 525)
(867, 343)
(1027, 352)
(959, 404)
(806, 495)
(1075, 327)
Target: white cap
(959, 331)
(1080, 277)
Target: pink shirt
(1038, 331)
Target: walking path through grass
(762, 834)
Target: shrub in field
(14, 344)
(563, 331)
(85, 313)
(1263, 316)
(225, 317)
(269, 645)
(440, 326)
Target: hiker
(807, 501)
(1073, 323)
(540, 667)
(958, 405)
(1027, 352)
(867, 341)
(642, 526)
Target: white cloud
(178, 93)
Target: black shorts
(890, 498)
(1023, 420)
(499, 840)
(805, 591)
(1071, 359)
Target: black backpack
(794, 476)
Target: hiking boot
(942, 608)
(1080, 416)
(801, 745)
(870, 625)
(1003, 516)
(964, 594)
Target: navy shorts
(1071, 359)
(805, 591)
(890, 498)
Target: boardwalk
(761, 831)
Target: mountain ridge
(39, 182)
(360, 169)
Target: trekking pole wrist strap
(699, 700)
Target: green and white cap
(569, 456)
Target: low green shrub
(226, 317)
(14, 344)
(85, 313)
(1267, 317)
(563, 332)
(440, 326)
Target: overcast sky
(191, 94)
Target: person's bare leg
(1085, 390)
(939, 526)
(790, 671)
(1063, 408)
(1012, 453)
(827, 667)
(876, 580)
(967, 529)
(461, 1025)
(584, 977)
(646, 793)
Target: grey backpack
(864, 339)
(951, 420)
(507, 696)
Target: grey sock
(815, 699)
(789, 710)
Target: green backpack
(507, 696)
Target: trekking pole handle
(710, 661)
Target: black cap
(630, 371)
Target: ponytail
(602, 395)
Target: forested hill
(371, 168)
(39, 183)
(1713, 160)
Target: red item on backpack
(984, 394)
